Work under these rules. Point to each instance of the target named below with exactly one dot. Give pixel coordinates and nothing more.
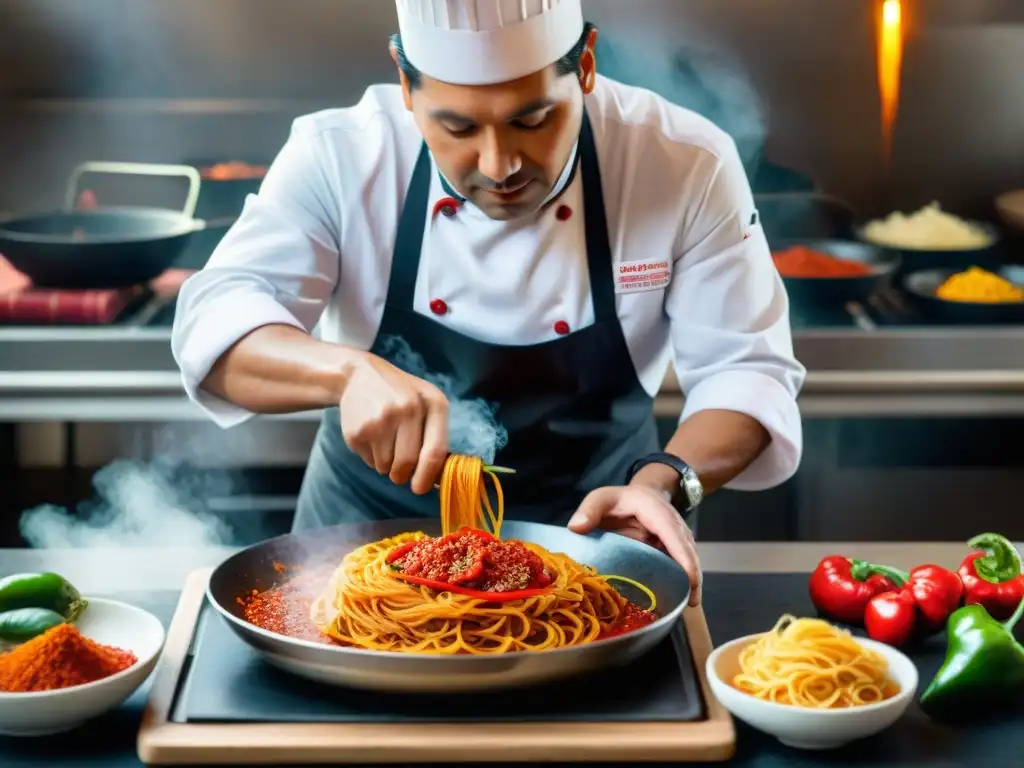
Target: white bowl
(804, 728)
(106, 621)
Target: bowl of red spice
(833, 272)
(74, 672)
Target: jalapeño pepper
(984, 664)
(22, 624)
(41, 590)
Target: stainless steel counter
(128, 374)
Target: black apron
(576, 414)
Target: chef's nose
(498, 158)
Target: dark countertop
(746, 588)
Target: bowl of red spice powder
(832, 272)
(75, 672)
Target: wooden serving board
(162, 741)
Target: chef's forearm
(281, 369)
(718, 444)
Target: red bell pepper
(992, 576)
(918, 608)
(841, 588)
(493, 597)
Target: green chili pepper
(22, 624)
(41, 590)
(984, 664)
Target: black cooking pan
(105, 247)
(920, 288)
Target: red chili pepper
(494, 597)
(920, 607)
(992, 576)
(841, 588)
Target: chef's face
(503, 146)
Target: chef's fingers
(696, 584)
(356, 442)
(593, 508)
(631, 532)
(664, 523)
(434, 451)
(384, 450)
(407, 449)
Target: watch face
(693, 488)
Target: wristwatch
(691, 490)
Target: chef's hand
(640, 512)
(397, 422)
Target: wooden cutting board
(161, 741)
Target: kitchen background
(899, 444)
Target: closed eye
(532, 122)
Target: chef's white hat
(482, 42)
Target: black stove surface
(227, 682)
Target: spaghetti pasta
(468, 591)
(464, 499)
(812, 664)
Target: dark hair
(569, 64)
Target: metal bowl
(254, 568)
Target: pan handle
(137, 169)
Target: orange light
(890, 64)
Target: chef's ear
(588, 62)
(406, 90)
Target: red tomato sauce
(472, 559)
(632, 618)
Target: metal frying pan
(254, 568)
(104, 247)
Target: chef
(544, 240)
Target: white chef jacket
(315, 246)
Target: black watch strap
(689, 493)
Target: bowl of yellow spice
(973, 295)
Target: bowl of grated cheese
(931, 238)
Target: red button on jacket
(561, 327)
(448, 206)
(438, 307)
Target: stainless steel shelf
(129, 374)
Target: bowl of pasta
(812, 685)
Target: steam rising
(700, 79)
(158, 504)
(139, 505)
(473, 427)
